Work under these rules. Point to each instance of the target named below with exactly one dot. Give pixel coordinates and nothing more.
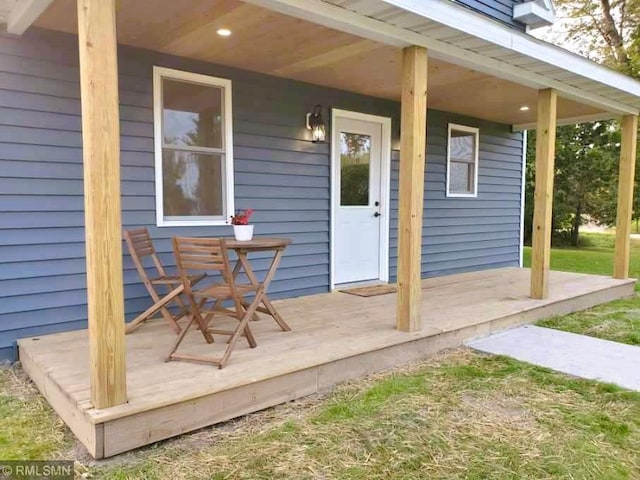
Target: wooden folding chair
(140, 246)
(211, 255)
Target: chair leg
(178, 340)
(159, 305)
(203, 326)
(242, 327)
(197, 316)
(251, 340)
(163, 310)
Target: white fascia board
(479, 26)
(24, 13)
(338, 18)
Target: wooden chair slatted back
(140, 246)
(194, 255)
(141, 241)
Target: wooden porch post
(625, 195)
(543, 198)
(413, 132)
(101, 154)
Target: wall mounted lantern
(316, 125)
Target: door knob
(377, 214)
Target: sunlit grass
(29, 430)
(596, 256)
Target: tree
(603, 30)
(607, 31)
(586, 157)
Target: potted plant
(241, 228)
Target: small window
(462, 161)
(193, 148)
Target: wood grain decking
(335, 337)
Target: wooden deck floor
(335, 337)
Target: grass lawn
(460, 415)
(28, 429)
(618, 321)
(595, 255)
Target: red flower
(241, 217)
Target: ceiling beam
(24, 13)
(332, 16)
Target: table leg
(236, 270)
(265, 284)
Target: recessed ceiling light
(223, 32)
(524, 108)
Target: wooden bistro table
(260, 244)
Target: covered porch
(117, 393)
(335, 337)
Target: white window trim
(227, 114)
(476, 132)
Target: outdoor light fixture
(316, 125)
(223, 32)
(524, 108)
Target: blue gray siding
(278, 171)
(500, 10)
(462, 234)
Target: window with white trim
(462, 161)
(193, 148)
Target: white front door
(360, 195)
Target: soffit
(269, 42)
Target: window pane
(462, 146)
(193, 184)
(192, 114)
(461, 177)
(355, 155)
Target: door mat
(371, 290)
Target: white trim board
(522, 196)
(521, 48)
(385, 188)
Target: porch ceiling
(273, 43)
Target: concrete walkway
(577, 355)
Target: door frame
(385, 188)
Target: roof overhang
(457, 35)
